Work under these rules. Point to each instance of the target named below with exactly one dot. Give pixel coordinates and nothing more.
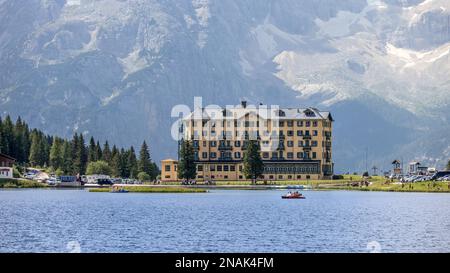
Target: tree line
(34, 148)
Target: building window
(290, 133)
(314, 123)
(299, 123)
(213, 143)
(290, 143)
(315, 133)
(219, 168)
(237, 143)
(290, 155)
(226, 168)
(204, 155)
(280, 177)
(237, 154)
(200, 168)
(274, 155)
(314, 155)
(289, 176)
(300, 143)
(290, 123)
(232, 168)
(308, 123)
(212, 168)
(299, 155)
(265, 155)
(240, 168)
(213, 155)
(281, 123)
(204, 143)
(299, 177)
(167, 168)
(299, 132)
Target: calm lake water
(223, 221)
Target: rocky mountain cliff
(115, 68)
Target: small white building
(6, 172)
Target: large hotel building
(295, 143)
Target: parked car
(53, 181)
(104, 181)
(440, 174)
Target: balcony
(225, 148)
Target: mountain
(116, 68)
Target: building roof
(169, 160)
(262, 111)
(7, 156)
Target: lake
(49, 220)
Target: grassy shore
(141, 189)
(428, 186)
(377, 183)
(20, 183)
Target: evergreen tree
(35, 149)
(186, 165)
(2, 139)
(56, 153)
(19, 152)
(79, 154)
(67, 158)
(145, 163)
(106, 155)
(92, 151)
(116, 163)
(253, 164)
(98, 151)
(132, 165)
(8, 137)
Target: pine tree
(145, 163)
(92, 151)
(35, 149)
(18, 139)
(8, 137)
(115, 161)
(106, 155)
(98, 151)
(2, 138)
(186, 165)
(253, 164)
(67, 158)
(132, 165)
(79, 154)
(56, 153)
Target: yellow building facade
(296, 144)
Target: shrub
(143, 176)
(98, 167)
(337, 177)
(16, 172)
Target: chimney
(244, 104)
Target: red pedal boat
(293, 195)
